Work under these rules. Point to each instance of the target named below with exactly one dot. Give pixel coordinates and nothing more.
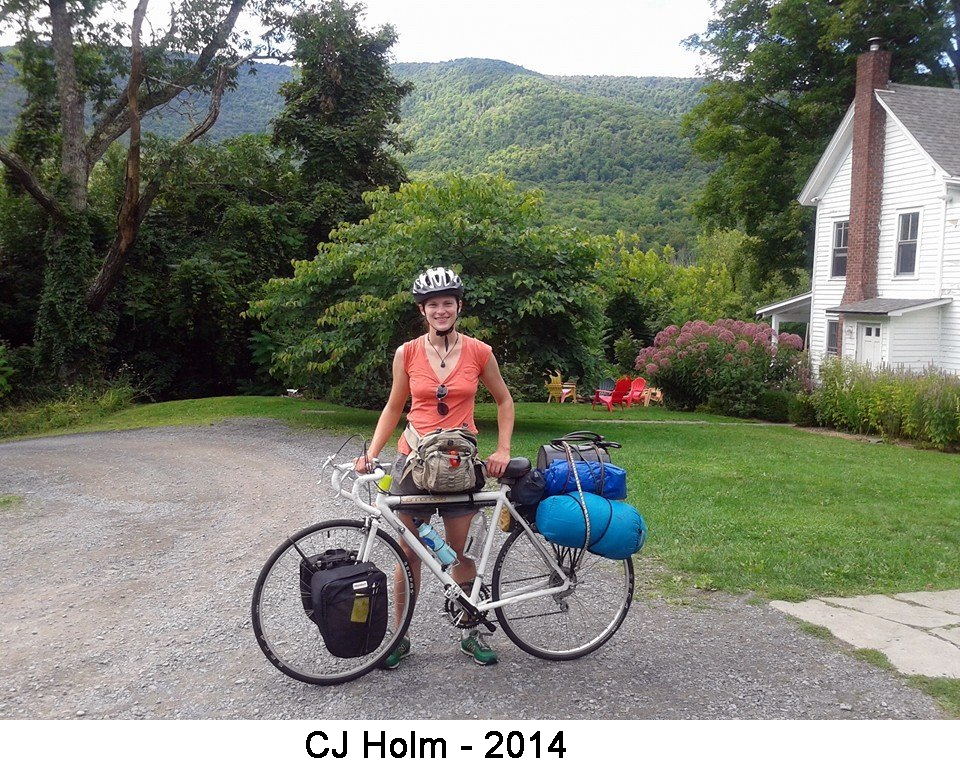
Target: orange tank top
(461, 385)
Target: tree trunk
(135, 207)
(73, 163)
(70, 341)
(128, 219)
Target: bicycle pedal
(452, 591)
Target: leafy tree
(636, 286)
(199, 50)
(530, 291)
(647, 291)
(231, 218)
(6, 372)
(22, 228)
(783, 73)
(341, 112)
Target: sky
(552, 37)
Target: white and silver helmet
(437, 281)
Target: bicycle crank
(462, 618)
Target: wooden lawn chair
(558, 390)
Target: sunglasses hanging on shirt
(442, 406)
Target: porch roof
(888, 306)
(795, 309)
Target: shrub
(625, 350)
(78, 405)
(6, 372)
(894, 403)
(731, 367)
(774, 406)
(802, 410)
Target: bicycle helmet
(437, 281)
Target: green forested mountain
(605, 150)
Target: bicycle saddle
(516, 468)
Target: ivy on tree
(341, 112)
(87, 64)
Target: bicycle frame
(383, 509)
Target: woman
(439, 371)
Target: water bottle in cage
(435, 543)
(476, 537)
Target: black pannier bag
(347, 600)
(529, 489)
(331, 558)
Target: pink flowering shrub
(731, 367)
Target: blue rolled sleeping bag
(617, 529)
(604, 479)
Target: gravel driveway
(128, 566)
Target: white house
(886, 254)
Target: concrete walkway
(919, 632)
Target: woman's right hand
(363, 464)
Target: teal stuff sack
(617, 529)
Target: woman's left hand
(497, 463)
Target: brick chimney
(866, 188)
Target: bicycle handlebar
(341, 471)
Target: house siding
(911, 183)
(914, 340)
(950, 285)
(827, 292)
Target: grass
(9, 501)
(944, 690)
(815, 630)
(731, 505)
(80, 408)
(873, 657)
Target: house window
(907, 234)
(833, 337)
(838, 265)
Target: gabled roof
(930, 117)
(889, 306)
(829, 162)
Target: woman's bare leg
(456, 529)
(400, 606)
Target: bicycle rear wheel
(572, 623)
(290, 640)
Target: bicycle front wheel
(571, 623)
(290, 640)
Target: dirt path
(128, 566)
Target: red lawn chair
(636, 393)
(620, 389)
